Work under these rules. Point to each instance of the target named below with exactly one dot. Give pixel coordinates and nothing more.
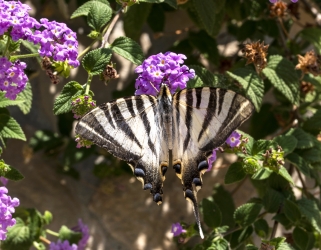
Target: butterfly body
(171, 131)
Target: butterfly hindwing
(128, 128)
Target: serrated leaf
(313, 124)
(302, 239)
(281, 218)
(135, 18)
(84, 9)
(304, 139)
(98, 16)
(299, 162)
(211, 213)
(234, 173)
(280, 72)
(272, 200)
(9, 127)
(246, 214)
(129, 49)
(66, 234)
(287, 142)
(204, 78)
(9, 172)
(5, 102)
(312, 35)
(18, 237)
(62, 103)
(311, 211)
(261, 228)
(262, 174)
(260, 146)
(26, 97)
(291, 211)
(284, 246)
(95, 61)
(220, 244)
(311, 155)
(251, 83)
(285, 174)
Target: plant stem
(238, 186)
(109, 28)
(231, 231)
(44, 239)
(88, 84)
(86, 49)
(276, 223)
(52, 232)
(24, 56)
(304, 188)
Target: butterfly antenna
(190, 195)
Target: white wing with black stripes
(179, 131)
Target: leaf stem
(304, 188)
(86, 49)
(90, 77)
(109, 29)
(44, 239)
(231, 231)
(23, 56)
(52, 232)
(276, 223)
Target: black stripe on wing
(188, 118)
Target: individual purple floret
(212, 159)
(234, 139)
(273, 1)
(162, 68)
(177, 229)
(4, 180)
(13, 79)
(83, 229)
(65, 245)
(7, 205)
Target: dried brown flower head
(278, 9)
(256, 53)
(181, 1)
(110, 73)
(309, 63)
(294, 9)
(266, 246)
(46, 65)
(306, 87)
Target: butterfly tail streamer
(190, 195)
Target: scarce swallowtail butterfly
(176, 131)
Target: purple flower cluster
(177, 229)
(7, 205)
(13, 80)
(274, 1)
(56, 39)
(162, 68)
(65, 245)
(233, 141)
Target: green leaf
(204, 78)
(234, 173)
(246, 214)
(47, 217)
(128, 49)
(135, 18)
(281, 218)
(260, 147)
(261, 228)
(313, 124)
(311, 155)
(291, 211)
(311, 211)
(26, 97)
(280, 72)
(240, 236)
(9, 172)
(251, 247)
(211, 213)
(219, 244)
(95, 61)
(304, 139)
(272, 200)
(285, 174)
(9, 127)
(312, 35)
(262, 174)
(18, 237)
(287, 142)
(299, 162)
(66, 234)
(302, 239)
(5, 102)
(98, 16)
(206, 45)
(251, 83)
(84, 9)
(62, 103)
(284, 246)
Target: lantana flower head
(7, 205)
(62, 245)
(13, 80)
(177, 229)
(162, 69)
(83, 229)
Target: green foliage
(211, 212)
(246, 214)
(9, 172)
(98, 16)
(95, 61)
(9, 127)
(128, 49)
(85, 9)
(312, 35)
(26, 97)
(66, 234)
(234, 173)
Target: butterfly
(156, 133)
